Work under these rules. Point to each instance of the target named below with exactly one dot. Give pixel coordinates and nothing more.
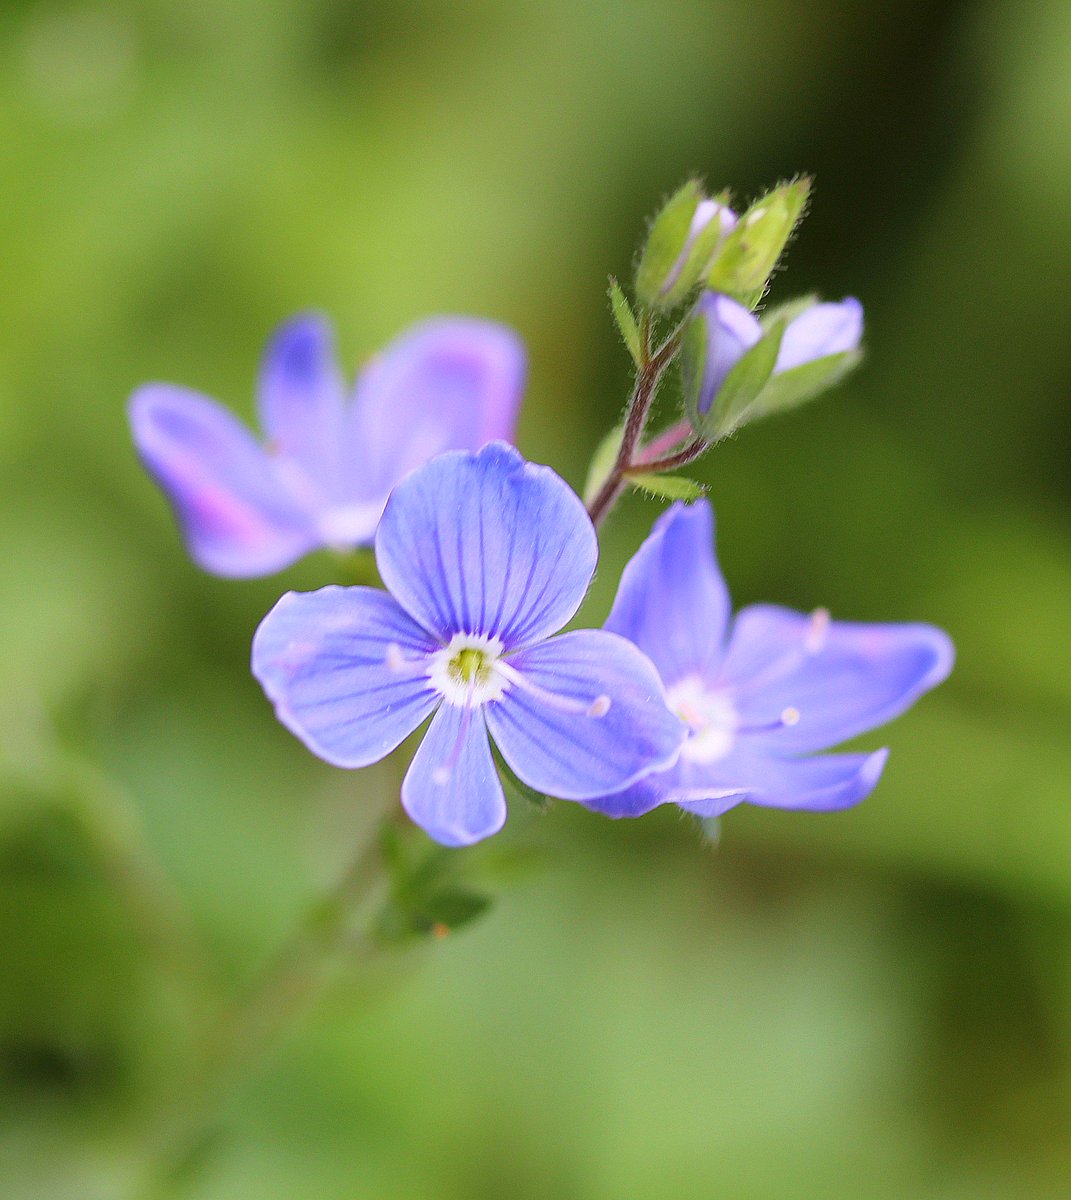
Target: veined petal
(585, 716)
(672, 600)
(453, 383)
(837, 679)
(822, 784)
(237, 517)
(486, 543)
(452, 789)
(820, 331)
(301, 400)
(344, 668)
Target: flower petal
(672, 600)
(684, 783)
(821, 784)
(325, 660)
(586, 716)
(634, 801)
(237, 517)
(731, 331)
(486, 543)
(301, 399)
(820, 331)
(453, 383)
(838, 679)
(452, 789)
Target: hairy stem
(695, 449)
(644, 390)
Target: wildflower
(731, 330)
(328, 465)
(484, 556)
(762, 695)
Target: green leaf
(743, 266)
(742, 386)
(787, 389)
(451, 908)
(665, 242)
(625, 320)
(602, 462)
(668, 487)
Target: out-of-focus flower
(731, 330)
(763, 694)
(329, 462)
(485, 556)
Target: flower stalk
(649, 375)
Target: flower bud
(735, 369)
(726, 332)
(819, 332)
(684, 238)
(745, 261)
(711, 224)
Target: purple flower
(732, 329)
(329, 463)
(762, 695)
(485, 556)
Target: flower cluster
(485, 557)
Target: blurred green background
(872, 1004)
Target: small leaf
(668, 487)
(666, 241)
(743, 266)
(743, 384)
(602, 462)
(625, 320)
(451, 908)
(796, 386)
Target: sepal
(745, 262)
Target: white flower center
(709, 715)
(467, 671)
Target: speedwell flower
(328, 464)
(484, 556)
(762, 695)
(731, 330)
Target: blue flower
(761, 695)
(731, 330)
(328, 465)
(484, 556)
